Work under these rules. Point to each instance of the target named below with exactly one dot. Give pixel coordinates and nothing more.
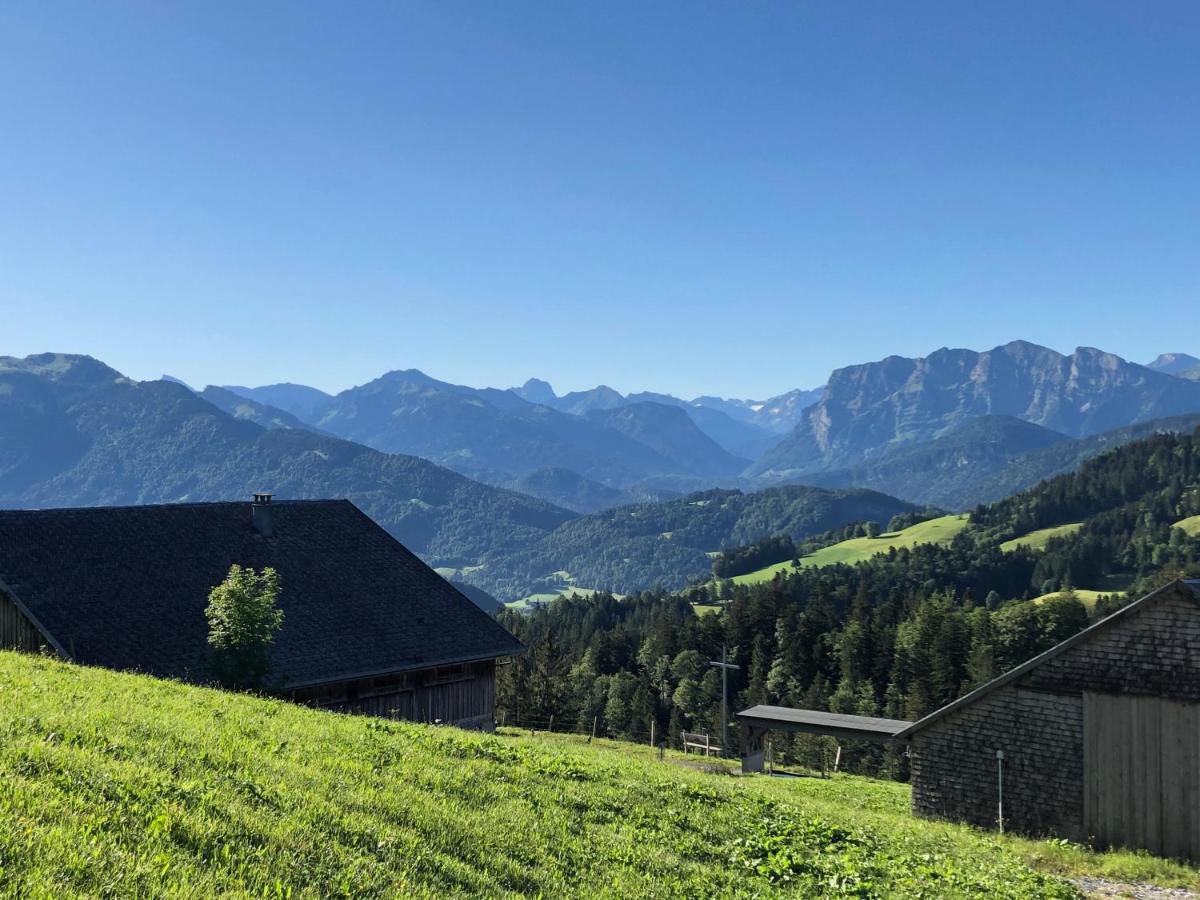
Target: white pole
(1000, 789)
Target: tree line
(897, 635)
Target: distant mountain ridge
(1181, 365)
(738, 425)
(251, 410)
(876, 407)
(305, 403)
(503, 436)
(496, 435)
(75, 432)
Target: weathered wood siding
(467, 700)
(17, 632)
(1141, 762)
(955, 773)
(1038, 721)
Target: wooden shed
(1097, 739)
(367, 626)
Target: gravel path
(1100, 887)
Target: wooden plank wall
(1141, 763)
(16, 632)
(469, 701)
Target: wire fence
(795, 754)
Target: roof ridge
(182, 504)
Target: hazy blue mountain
(1028, 469)
(741, 438)
(74, 432)
(537, 391)
(635, 547)
(946, 471)
(580, 403)
(571, 490)
(872, 408)
(478, 596)
(777, 415)
(669, 431)
(1174, 364)
(781, 414)
(175, 380)
(491, 434)
(244, 408)
(738, 434)
(305, 403)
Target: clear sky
(728, 198)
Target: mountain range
(867, 410)
(1183, 365)
(74, 432)
(510, 489)
(584, 450)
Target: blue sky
(695, 198)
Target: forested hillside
(898, 634)
(634, 547)
(987, 459)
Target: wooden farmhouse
(1096, 740)
(367, 626)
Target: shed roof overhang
(812, 721)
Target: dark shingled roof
(126, 588)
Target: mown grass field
(121, 785)
(1191, 525)
(1086, 597)
(936, 531)
(1037, 540)
(551, 596)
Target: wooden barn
(1096, 740)
(367, 626)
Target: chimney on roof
(260, 513)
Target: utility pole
(724, 665)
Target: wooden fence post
(551, 722)
(595, 719)
(651, 732)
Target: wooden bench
(702, 743)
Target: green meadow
(935, 531)
(1037, 540)
(116, 785)
(1190, 525)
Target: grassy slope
(1086, 597)
(1037, 540)
(1191, 525)
(939, 530)
(122, 785)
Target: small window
(443, 674)
(385, 684)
